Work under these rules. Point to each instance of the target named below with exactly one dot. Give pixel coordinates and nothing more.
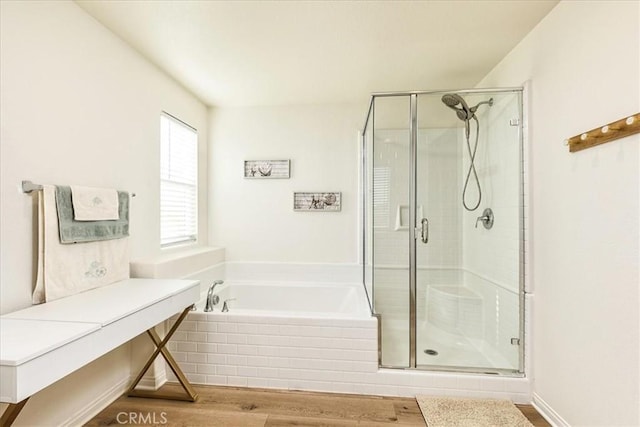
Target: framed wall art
(329, 201)
(261, 169)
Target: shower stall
(443, 239)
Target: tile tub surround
(314, 354)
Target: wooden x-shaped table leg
(161, 349)
(11, 413)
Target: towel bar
(28, 187)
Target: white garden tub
(297, 299)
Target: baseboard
(98, 404)
(548, 413)
(152, 382)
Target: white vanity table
(43, 343)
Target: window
(381, 198)
(178, 182)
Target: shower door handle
(424, 230)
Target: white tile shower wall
(495, 253)
(500, 308)
(312, 354)
(438, 184)
(392, 288)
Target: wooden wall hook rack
(607, 133)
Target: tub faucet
(212, 299)
(225, 307)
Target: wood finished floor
(230, 406)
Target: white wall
(253, 219)
(583, 61)
(78, 106)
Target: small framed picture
(329, 201)
(265, 169)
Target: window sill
(180, 262)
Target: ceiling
(239, 53)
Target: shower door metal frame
(413, 199)
(413, 149)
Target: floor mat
(463, 412)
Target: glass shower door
(444, 236)
(468, 287)
(389, 177)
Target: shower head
(474, 109)
(463, 112)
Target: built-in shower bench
(43, 343)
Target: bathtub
(307, 336)
(293, 299)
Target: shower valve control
(486, 218)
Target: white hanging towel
(67, 269)
(94, 204)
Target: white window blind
(178, 182)
(381, 198)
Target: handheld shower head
(451, 100)
(463, 112)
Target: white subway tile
(188, 325)
(289, 352)
(226, 370)
(246, 328)
(257, 339)
(197, 317)
(227, 348)
(267, 351)
(180, 336)
(330, 332)
(229, 327)
(197, 378)
(187, 346)
(217, 337)
(206, 326)
(257, 361)
(268, 329)
(179, 356)
(237, 360)
(290, 374)
(247, 371)
(206, 348)
(217, 359)
(196, 357)
(236, 339)
(289, 330)
(365, 366)
(282, 340)
(197, 337)
(206, 369)
(279, 362)
(240, 319)
(247, 349)
(189, 368)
